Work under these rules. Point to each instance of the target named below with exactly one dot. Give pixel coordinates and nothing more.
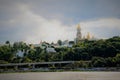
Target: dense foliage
(99, 53)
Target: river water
(61, 76)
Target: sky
(33, 21)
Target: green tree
(117, 60)
(110, 62)
(69, 55)
(8, 43)
(59, 42)
(6, 53)
(98, 62)
(26, 60)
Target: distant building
(44, 45)
(20, 53)
(67, 43)
(90, 37)
(50, 50)
(71, 43)
(55, 45)
(78, 35)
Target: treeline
(100, 53)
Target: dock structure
(17, 65)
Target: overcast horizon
(33, 21)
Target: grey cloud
(36, 20)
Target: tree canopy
(100, 52)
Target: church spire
(88, 36)
(78, 27)
(79, 35)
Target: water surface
(61, 76)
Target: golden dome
(88, 35)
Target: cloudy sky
(49, 20)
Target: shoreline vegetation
(105, 69)
(89, 55)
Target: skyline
(51, 20)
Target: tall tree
(8, 43)
(59, 42)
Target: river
(61, 76)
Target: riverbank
(106, 69)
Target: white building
(20, 53)
(50, 50)
(46, 46)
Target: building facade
(79, 34)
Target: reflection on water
(61, 76)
